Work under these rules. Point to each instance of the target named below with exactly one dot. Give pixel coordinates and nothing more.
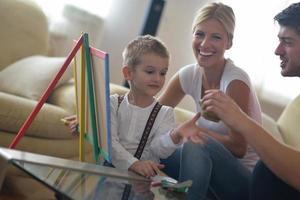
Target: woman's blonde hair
(219, 11)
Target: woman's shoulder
(188, 68)
(233, 72)
(190, 77)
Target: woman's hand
(224, 107)
(146, 168)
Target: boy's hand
(189, 130)
(72, 123)
(146, 168)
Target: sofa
(25, 72)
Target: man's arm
(282, 159)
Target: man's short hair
(290, 17)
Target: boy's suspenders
(120, 99)
(147, 128)
(144, 138)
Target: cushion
(24, 31)
(64, 97)
(14, 111)
(29, 77)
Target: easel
(93, 111)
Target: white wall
(125, 19)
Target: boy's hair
(290, 17)
(143, 45)
(219, 11)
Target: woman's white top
(127, 126)
(190, 77)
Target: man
(277, 176)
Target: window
(255, 40)
(54, 8)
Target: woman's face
(210, 40)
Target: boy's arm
(162, 145)
(167, 138)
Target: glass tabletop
(82, 181)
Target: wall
(124, 22)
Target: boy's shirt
(127, 125)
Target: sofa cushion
(14, 111)
(29, 77)
(24, 31)
(64, 97)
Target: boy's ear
(126, 73)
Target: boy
(145, 64)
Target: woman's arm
(173, 94)
(282, 159)
(234, 141)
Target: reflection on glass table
(84, 181)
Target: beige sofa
(25, 73)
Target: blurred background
(111, 24)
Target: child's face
(148, 77)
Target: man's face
(288, 50)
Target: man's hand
(146, 168)
(224, 107)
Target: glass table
(81, 181)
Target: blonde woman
(222, 165)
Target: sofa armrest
(14, 110)
(182, 115)
(270, 125)
(289, 125)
